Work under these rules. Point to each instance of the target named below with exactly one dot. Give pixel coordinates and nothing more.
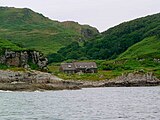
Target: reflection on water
(131, 103)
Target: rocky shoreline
(134, 80)
(36, 80)
(33, 80)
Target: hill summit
(33, 30)
(113, 42)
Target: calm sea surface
(142, 103)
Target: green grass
(131, 65)
(3, 67)
(108, 70)
(5, 44)
(143, 55)
(101, 75)
(149, 47)
(12, 68)
(35, 31)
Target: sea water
(112, 103)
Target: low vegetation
(35, 31)
(113, 42)
(112, 69)
(3, 67)
(147, 48)
(5, 44)
(129, 47)
(101, 75)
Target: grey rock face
(134, 79)
(39, 59)
(22, 59)
(88, 33)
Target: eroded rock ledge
(134, 79)
(126, 80)
(23, 59)
(33, 80)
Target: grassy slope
(5, 44)
(111, 69)
(101, 75)
(142, 56)
(33, 30)
(139, 57)
(116, 40)
(149, 47)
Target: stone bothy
(68, 68)
(79, 67)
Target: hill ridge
(116, 40)
(33, 30)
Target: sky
(101, 14)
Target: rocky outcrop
(126, 80)
(23, 59)
(33, 80)
(134, 79)
(88, 32)
(85, 31)
(26, 76)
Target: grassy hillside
(33, 30)
(118, 39)
(134, 47)
(143, 56)
(147, 48)
(5, 44)
(113, 42)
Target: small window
(69, 66)
(85, 66)
(92, 66)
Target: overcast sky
(101, 14)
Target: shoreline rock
(134, 79)
(33, 80)
(36, 80)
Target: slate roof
(78, 65)
(68, 66)
(85, 65)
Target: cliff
(25, 59)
